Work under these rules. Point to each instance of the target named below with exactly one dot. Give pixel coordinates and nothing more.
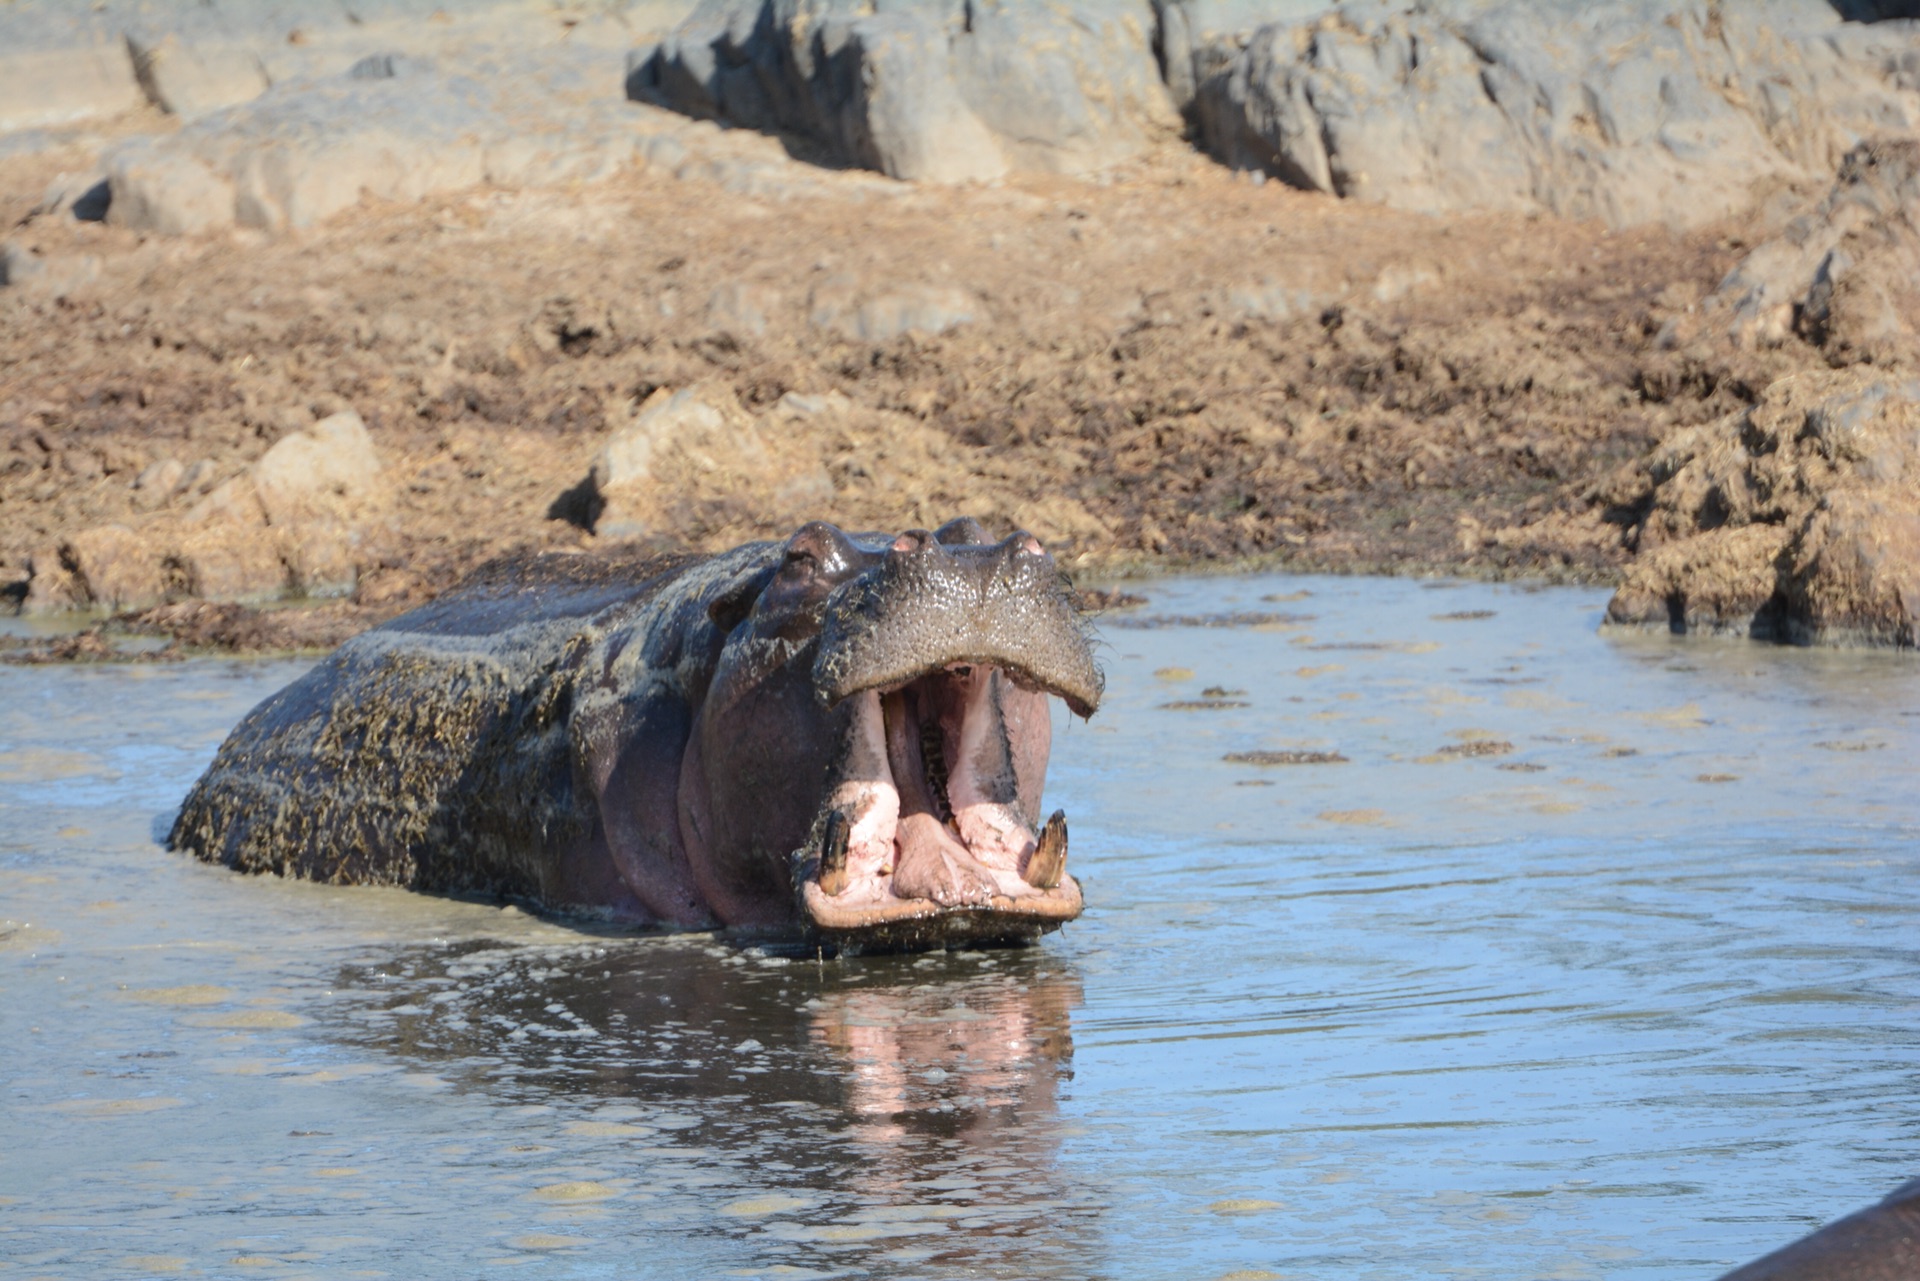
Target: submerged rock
(1795, 520)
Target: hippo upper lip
(1001, 606)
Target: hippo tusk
(1049, 858)
(833, 854)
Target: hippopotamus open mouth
(839, 736)
(945, 653)
(932, 660)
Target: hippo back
(430, 752)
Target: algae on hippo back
(841, 736)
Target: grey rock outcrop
(307, 149)
(933, 90)
(1193, 36)
(1629, 111)
(1795, 520)
(62, 61)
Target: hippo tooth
(833, 854)
(1049, 859)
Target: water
(1645, 1006)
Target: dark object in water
(839, 736)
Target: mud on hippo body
(840, 736)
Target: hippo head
(869, 759)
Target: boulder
(693, 449)
(391, 126)
(61, 62)
(50, 584)
(296, 521)
(1190, 35)
(1845, 275)
(924, 90)
(328, 472)
(114, 567)
(1795, 520)
(55, 275)
(839, 305)
(227, 560)
(318, 489)
(158, 481)
(741, 310)
(1630, 111)
(64, 61)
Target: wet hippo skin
(1880, 1243)
(839, 736)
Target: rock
(309, 147)
(1264, 298)
(838, 305)
(83, 194)
(1796, 520)
(1630, 111)
(328, 472)
(234, 502)
(318, 489)
(1845, 275)
(50, 584)
(741, 310)
(156, 187)
(113, 567)
(191, 77)
(697, 448)
(1190, 35)
(230, 560)
(158, 481)
(924, 90)
(61, 62)
(55, 275)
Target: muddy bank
(1167, 365)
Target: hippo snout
(929, 604)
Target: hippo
(838, 737)
(1879, 1243)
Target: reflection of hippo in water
(1879, 1243)
(847, 735)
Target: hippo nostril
(1031, 546)
(914, 540)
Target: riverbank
(1169, 366)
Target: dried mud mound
(1845, 275)
(1797, 520)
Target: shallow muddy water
(1583, 956)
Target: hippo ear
(736, 599)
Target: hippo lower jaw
(914, 848)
